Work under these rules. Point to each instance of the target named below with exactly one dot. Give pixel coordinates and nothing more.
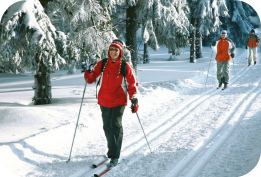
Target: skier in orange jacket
(252, 42)
(225, 50)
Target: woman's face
(114, 53)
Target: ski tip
(95, 175)
(94, 166)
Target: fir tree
(205, 17)
(29, 42)
(238, 25)
(162, 23)
(84, 22)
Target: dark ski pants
(112, 126)
(223, 71)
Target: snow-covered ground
(193, 129)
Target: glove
(134, 105)
(246, 46)
(232, 55)
(87, 75)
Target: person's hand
(134, 105)
(246, 46)
(232, 55)
(87, 75)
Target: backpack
(123, 72)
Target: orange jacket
(224, 48)
(252, 41)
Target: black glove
(213, 44)
(246, 46)
(232, 55)
(134, 105)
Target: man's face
(252, 33)
(223, 36)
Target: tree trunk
(198, 41)
(146, 54)
(130, 36)
(193, 43)
(42, 86)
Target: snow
(193, 129)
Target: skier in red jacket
(112, 96)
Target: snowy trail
(234, 116)
(186, 131)
(174, 119)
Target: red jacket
(113, 91)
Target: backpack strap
(104, 61)
(123, 68)
(124, 72)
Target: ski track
(215, 137)
(197, 157)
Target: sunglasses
(115, 50)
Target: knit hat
(224, 32)
(252, 31)
(119, 44)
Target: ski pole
(209, 67)
(77, 123)
(143, 132)
(78, 117)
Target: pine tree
(205, 17)
(29, 42)
(162, 23)
(238, 24)
(84, 22)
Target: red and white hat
(119, 44)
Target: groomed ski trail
(217, 138)
(174, 118)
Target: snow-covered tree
(205, 17)
(83, 22)
(238, 25)
(30, 42)
(163, 22)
